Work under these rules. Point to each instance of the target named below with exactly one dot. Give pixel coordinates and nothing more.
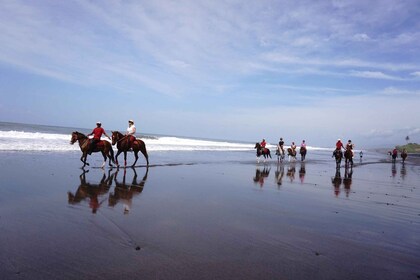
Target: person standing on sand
(131, 133)
(97, 134)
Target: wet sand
(207, 220)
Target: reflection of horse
(279, 174)
(336, 181)
(302, 172)
(348, 155)
(302, 152)
(102, 146)
(125, 192)
(91, 191)
(124, 146)
(291, 170)
(338, 154)
(291, 153)
(347, 180)
(403, 155)
(261, 175)
(262, 151)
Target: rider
(97, 133)
(303, 145)
(280, 146)
(350, 146)
(263, 144)
(339, 145)
(131, 133)
(293, 146)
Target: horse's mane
(81, 134)
(119, 133)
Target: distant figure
(263, 144)
(361, 155)
(339, 145)
(350, 146)
(303, 150)
(280, 147)
(394, 154)
(404, 155)
(97, 134)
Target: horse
(122, 146)
(348, 155)
(291, 153)
(280, 155)
(262, 151)
(84, 143)
(302, 152)
(403, 156)
(338, 154)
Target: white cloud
(416, 74)
(373, 75)
(361, 37)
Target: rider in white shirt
(131, 132)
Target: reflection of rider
(302, 172)
(131, 133)
(97, 133)
(336, 182)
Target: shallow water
(208, 215)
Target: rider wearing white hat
(131, 132)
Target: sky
(235, 70)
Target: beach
(198, 215)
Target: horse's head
(257, 146)
(116, 136)
(73, 137)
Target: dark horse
(302, 152)
(102, 146)
(403, 155)
(122, 146)
(338, 154)
(291, 153)
(262, 151)
(348, 155)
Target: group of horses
(105, 147)
(291, 153)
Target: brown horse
(262, 152)
(123, 146)
(102, 146)
(302, 152)
(403, 155)
(348, 155)
(338, 154)
(291, 153)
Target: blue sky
(239, 70)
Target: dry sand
(221, 220)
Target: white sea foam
(39, 141)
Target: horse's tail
(111, 152)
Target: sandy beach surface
(207, 219)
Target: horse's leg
(125, 158)
(84, 158)
(116, 157)
(144, 152)
(104, 155)
(136, 155)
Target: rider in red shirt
(97, 133)
(263, 144)
(339, 145)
